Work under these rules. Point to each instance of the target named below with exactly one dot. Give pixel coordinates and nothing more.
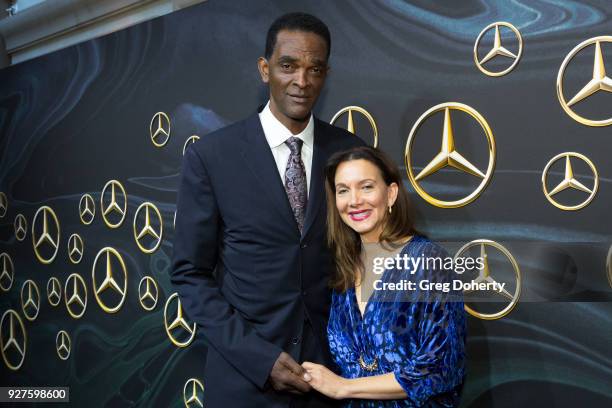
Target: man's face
(295, 73)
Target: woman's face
(363, 198)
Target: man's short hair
(296, 22)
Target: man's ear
(263, 66)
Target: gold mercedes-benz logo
(75, 295)
(62, 344)
(113, 207)
(75, 248)
(498, 49)
(148, 229)
(599, 81)
(160, 129)
(7, 273)
(45, 242)
(148, 294)
(54, 291)
(178, 322)
(16, 343)
(192, 388)
(485, 276)
(30, 305)
(87, 209)
(3, 204)
(190, 140)
(350, 123)
(109, 279)
(448, 156)
(21, 227)
(569, 181)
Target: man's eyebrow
(286, 58)
(320, 62)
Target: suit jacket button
(295, 340)
(304, 246)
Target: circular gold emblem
(113, 207)
(30, 299)
(191, 140)
(62, 344)
(350, 123)
(75, 248)
(178, 322)
(87, 209)
(148, 294)
(159, 129)
(109, 281)
(599, 81)
(146, 229)
(3, 204)
(448, 156)
(7, 273)
(192, 393)
(75, 295)
(485, 276)
(10, 347)
(21, 227)
(54, 291)
(45, 241)
(569, 181)
(498, 49)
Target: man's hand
(288, 375)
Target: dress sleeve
(433, 337)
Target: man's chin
(300, 115)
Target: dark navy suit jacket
(243, 271)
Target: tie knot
(295, 144)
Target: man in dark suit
(250, 262)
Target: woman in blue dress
(394, 348)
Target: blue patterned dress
(421, 342)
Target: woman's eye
(368, 187)
(341, 191)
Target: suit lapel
(258, 157)
(317, 178)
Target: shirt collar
(276, 133)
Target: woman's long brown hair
(345, 242)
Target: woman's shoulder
(421, 245)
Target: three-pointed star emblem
(75, 295)
(599, 81)
(193, 387)
(569, 181)
(109, 282)
(159, 129)
(11, 342)
(178, 322)
(44, 240)
(62, 344)
(147, 228)
(87, 209)
(350, 122)
(30, 299)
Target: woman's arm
(379, 387)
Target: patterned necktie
(295, 181)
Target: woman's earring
(389, 209)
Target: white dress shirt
(276, 134)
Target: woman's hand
(324, 380)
